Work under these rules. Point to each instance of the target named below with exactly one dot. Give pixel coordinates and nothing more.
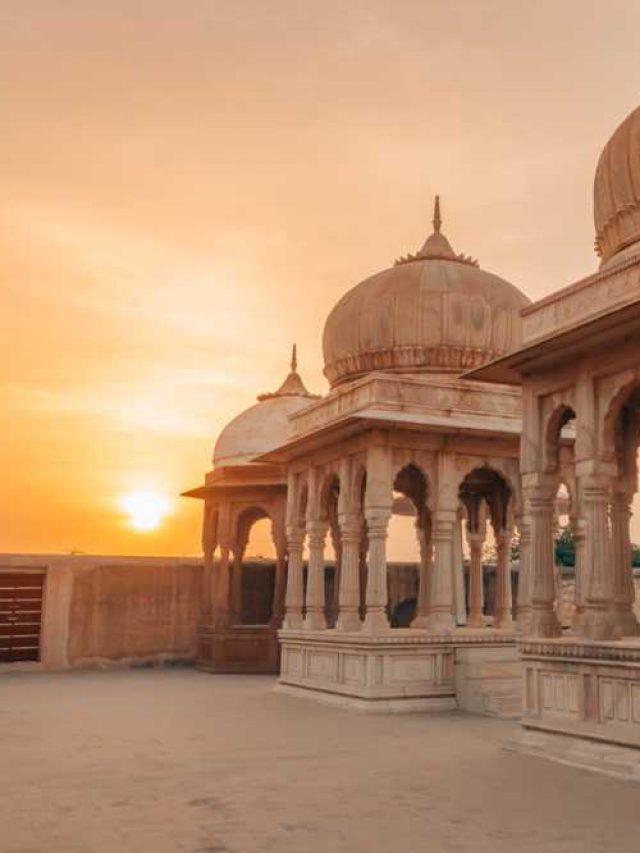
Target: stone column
(625, 622)
(460, 607)
(523, 603)
(598, 572)
(543, 621)
(236, 588)
(441, 607)
(279, 586)
(317, 534)
(423, 533)
(378, 502)
(349, 595)
(221, 602)
(209, 543)
(578, 530)
(476, 542)
(503, 617)
(294, 597)
(376, 619)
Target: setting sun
(145, 509)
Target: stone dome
(434, 311)
(264, 425)
(616, 190)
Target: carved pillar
(425, 543)
(378, 502)
(457, 568)
(543, 622)
(578, 531)
(376, 619)
(317, 534)
(236, 587)
(349, 596)
(209, 543)
(523, 603)
(336, 542)
(598, 572)
(294, 597)
(625, 622)
(476, 542)
(279, 586)
(221, 603)
(503, 617)
(441, 609)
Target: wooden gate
(20, 615)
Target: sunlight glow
(146, 509)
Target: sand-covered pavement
(175, 760)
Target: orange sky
(188, 186)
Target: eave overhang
(554, 348)
(256, 475)
(379, 418)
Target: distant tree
(565, 547)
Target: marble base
(398, 670)
(599, 756)
(241, 649)
(582, 703)
(488, 680)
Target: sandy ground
(175, 760)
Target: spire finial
(437, 221)
(294, 359)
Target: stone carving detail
(600, 293)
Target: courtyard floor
(176, 760)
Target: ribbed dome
(616, 191)
(432, 312)
(263, 426)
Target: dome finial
(437, 219)
(294, 359)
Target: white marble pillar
(598, 570)
(441, 606)
(425, 544)
(378, 502)
(523, 602)
(294, 596)
(625, 622)
(349, 594)
(236, 587)
(457, 568)
(503, 615)
(316, 537)
(209, 544)
(476, 540)
(279, 586)
(221, 604)
(578, 532)
(376, 619)
(543, 620)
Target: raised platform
(402, 670)
(582, 703)
(241, 649)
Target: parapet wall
(105, 611)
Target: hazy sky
(188, 187)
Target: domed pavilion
(401, 426)
(579, 365)
(238, 492)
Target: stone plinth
(582, 703)
(400, 670)
(238, 649)
(488, 679)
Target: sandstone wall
(102, 611)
